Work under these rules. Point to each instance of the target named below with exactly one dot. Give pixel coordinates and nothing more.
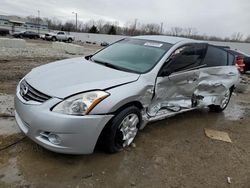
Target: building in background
(16, 23)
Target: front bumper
(78, 134)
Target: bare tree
(237, 36)
(150, 29)
(190, 31)
(99, 25)
(69, 26)
(247, 39)
(176, 31)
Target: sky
(220, 18)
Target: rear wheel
(224, 102)
(70, 40)
(122, 130)
(53, 39)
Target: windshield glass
(134, 55)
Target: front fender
(139, 91)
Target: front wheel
(224, 102)
(122, 130)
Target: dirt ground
(170, 153)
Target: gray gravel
(31, 52)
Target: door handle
(231, 74)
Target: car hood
(67, 77)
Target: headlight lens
(80, 104)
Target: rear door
(178, 79)
(217, 75)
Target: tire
(225, 101)
(113, 135)
(53, 39)
(70, 40)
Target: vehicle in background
(104, 44)
(242, 60)
(42, 36)
(71, 105)
(59, 36)
(4, 32)
(26, 34)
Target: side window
(215, 57)
(186, 57)
(60, 33)
(230, 59)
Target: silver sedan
(72, 105)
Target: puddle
(8, 127)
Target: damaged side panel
(213, 84)
(189, 90)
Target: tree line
(133, 28)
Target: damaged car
(71, 105)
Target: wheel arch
(121, 108)
(128, 104)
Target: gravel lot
(169, 153)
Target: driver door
(177, 80)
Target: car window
(60, 33)
(135, 55)
(230, 59)
(215, 57)
(186, 57)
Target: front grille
(31, 94)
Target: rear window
(215, 57)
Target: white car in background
(59, 36)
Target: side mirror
(88, 57)
(165, 72)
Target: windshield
(134, 55)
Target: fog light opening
(54, 138)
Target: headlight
(80, 104)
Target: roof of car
(167, 39)
(238, 52)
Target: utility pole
(161, 27)
(76, 19)
(38, 24)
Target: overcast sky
(211, 17)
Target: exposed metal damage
(195, 90)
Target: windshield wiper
(110, 65)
